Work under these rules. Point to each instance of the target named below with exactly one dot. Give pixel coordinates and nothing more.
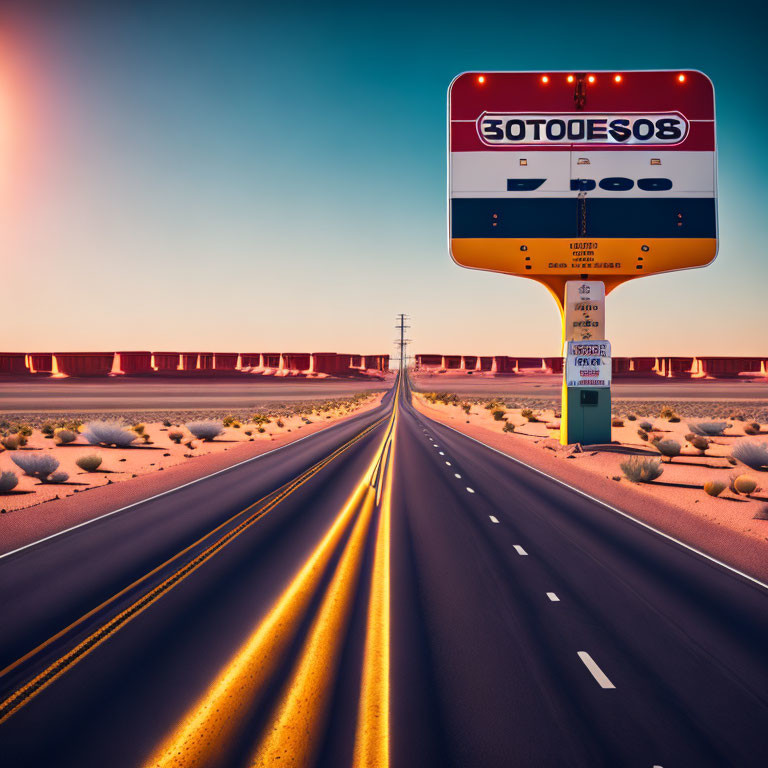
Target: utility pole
(402, 341)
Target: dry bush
(700, 443)
(744, 484)
(109, 434)
(12, 442)
(709, 428)
(90, 462)
(641, 470)
(668, 448)
(714, 487)
(615, 422)
(205, 430)
(498, 414)
(8, 481)
(57, 477)
(509, 427)
(64, 436)
(754, 455)
(176, 435)
(646, 426)
(38, 465)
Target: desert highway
(386, 592)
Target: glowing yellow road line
(218, 714)
(296, 729)
(36, 685)
(372, 733)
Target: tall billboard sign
(594, 176)
(586, 180)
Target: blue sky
(211, 176)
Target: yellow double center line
(295, 726)
(27, 692)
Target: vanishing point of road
(385, 592)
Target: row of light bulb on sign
(590, 78)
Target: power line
(402, 342)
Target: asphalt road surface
(384, 592)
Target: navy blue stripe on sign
(561, 217)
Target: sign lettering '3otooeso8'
(600, 176)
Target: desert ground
(163, 439)
(134, 394)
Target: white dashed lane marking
(447, 463)
(442, 453)
(494, 519)
(597, 673)
(469, 490)
(553, 597)
(520, 550)
(457, 475)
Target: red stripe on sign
(464, 138)
(665, 91)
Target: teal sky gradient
(211, 177)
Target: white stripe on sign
(553, 597)
(484, 174)
(597, 673)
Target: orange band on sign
(599, 258)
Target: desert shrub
(38, 465)
(260, 419)
(498, 414)
(58, 477)
(617, 422)
(8, 481)
(48, 429)
(109, 434)
(280, 423)
(752, 428)
(668, 448)
(229, 420)
(754, 455)
(64, 436)
(642, 434)
(12, 442)
(205, 430)
(466, 407)
(674, 419)
(509, 427)
(640, 470)
(667, 412)
(708, 428)
(176, 435)
(714, 487)
(527, 413)
(167, 423)
(261, 430)
(744, 484)
(645, 425)
(23, 429)
(631, 417)
(236, 424)
(249, 432)
(738, 417)
(139, 429)
(699, 443)
(90, 462)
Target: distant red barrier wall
(225, 361)
(295, 361)
(13, 363)
(84, 363)
(250, 359)
(166, 361)
(271, 359)
(133, 362)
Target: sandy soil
(141, 464)
(723, 526)
(45, 394)
(643, 396)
